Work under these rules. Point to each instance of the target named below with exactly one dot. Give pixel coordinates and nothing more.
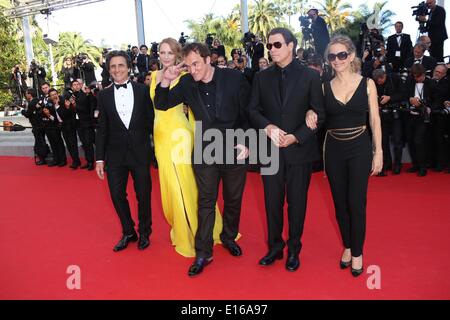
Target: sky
(111, 23)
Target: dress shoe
(62, 164)
(41, 163)
(382, 173)
(413, 169)
(75, 165)
(437, 168)
(52, 164)
(271, 257)
(123, 243)
(345, 264)
(292, 262)
(233, 248)
(85, 166)
(91, 166)
(144, 242)
(357, 272)
(198, 266)
(397, 169)
(422, 172)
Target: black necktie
(124, 85)
(282, 84)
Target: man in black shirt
(218, 98)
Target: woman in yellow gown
(173, 135)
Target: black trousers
(208, 178)
(85, 133)
(437, 49)
(291, 180)
(70, 138)
(117, 182)
(442, 137)
(416, 131)
(53, 134)
(392, 132)
(40, 146)
(348, 165)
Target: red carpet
(52, 218)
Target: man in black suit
(319, 31)
(419, 58)
(143, 61)
(399, 47)
(436, 29)
(123, 142)
(218, 98)
(282, 94)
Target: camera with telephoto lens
(69, 95)
(420, 10)
(80, 59)
(182, 39)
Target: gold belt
(342, 134)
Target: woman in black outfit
(350, 156)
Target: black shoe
(198, 266)
(123, 243)
(75, 165)
(345, 264)
(144, 242)
(62, 164)
(438, 168)
(85, 166)
(90, 166)
(292, 262)
(382, 173)
(357, 272)
(397, 169)
(422, 172)
(233, 248)
(52, 164)
(271, 257)
(413, 169)
(41, 162)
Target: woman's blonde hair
(349, 45)
(174, 46)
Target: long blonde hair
(349, 45)
(174, 46)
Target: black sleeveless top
(349, 115)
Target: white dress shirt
(124, 99)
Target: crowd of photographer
(412, 84)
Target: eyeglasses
(277, 45)
(340, 55)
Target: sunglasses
(277, 45)
(340, 55)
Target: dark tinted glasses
(340, 55)
(275, 44)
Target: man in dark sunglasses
(282, 94)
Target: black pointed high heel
(345, 264)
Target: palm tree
(263, 17)
(71, 44)
(289, 8)
(335, 13)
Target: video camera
(182, 39)
(420, 10)
(80, 59)
(305, 24)
(248, 41)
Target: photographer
(436, 29)
(69, 72)
(18, 84)
(419, 58)
(143, 60)
(254, 49)
(440, 117)
(87, 69)
(37, 74)
(319, 31)
(65, 115)
(420, 91)
(106, 77)
(218, 47)
(378, 61)
(369, 39)
(390, 90)
(84, 119)
(399, 47)
(33, 114)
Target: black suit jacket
(428, 63)
(436, 25)
(429, 90)
(303, 92)
(114, 142)
(405, 48)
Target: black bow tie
(399, 34)
(418, 60)
(124, 85)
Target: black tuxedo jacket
(405, 47)
(436, 26)
(114, 142)
(428, 62)
(429, 90)
(303, 92)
